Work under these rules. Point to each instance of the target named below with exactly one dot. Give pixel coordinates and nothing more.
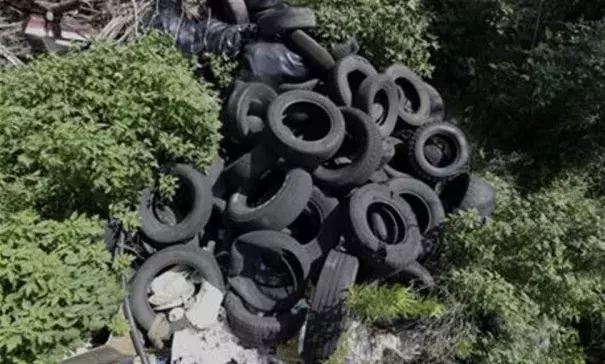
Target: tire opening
(408, 95)
(307, 225)
(420, 208)
(307, 121)
(355, 78)
(266, 187)
(399, 161)
(448, 148)
(175, 210)
(386, 223)
(381, 98)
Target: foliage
(57, 286)
(538, 266)
(219, 69)
(80, 136)
(85, 132)
(388, 31)
(371, 302)
(526, 89)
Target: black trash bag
(275, 63)
(198, 36)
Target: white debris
(204, 310)
(176, 314)
(171, 289)
(214, 345)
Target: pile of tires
(342, 178)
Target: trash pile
(331, 173)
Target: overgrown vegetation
(80, 136)
(388, 30)
(537, 269)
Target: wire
(538, 23)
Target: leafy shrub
(388, 30)
(84, 132)
(57, 286)
(538, 266)
(371, 302)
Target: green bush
(539, 266)
(389, 31)
(57, 286)
(80, 136)
(84, 132)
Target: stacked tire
(350, 171)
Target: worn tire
(258, 5)
(322, 212)
(245, 107)
(313, 54)
(327, 317)
(194, 257)
(236, 11)
(194, 220)
(245, 253)
(309, 85)
(365, 161)
(249, 167)
(437, 104)
(349, 47)
(423, 200)
(255, 330)
(367, 95)
(404, 239)
(286, 20)
(466, 192)
(279, 211)
(297, 150)
(346, 78)
(417, 157)
(413, 89)
(398, 166)
(388, 151)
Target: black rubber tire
(416, 274)
(255, 330)
(350, 68)
(437, 104)
(309, 85)
(329, 310)
(466, 192)
(313, 54)
(308, 154)
(255, 15)
(366, 97)
(193, 257)
(257, 5)
(325, 210)
(249, 167)
(397, 166)
(246, 102)
(364, 163)
(236, 11)
(423, 200)
(245, 254)
(409, 81)
(285, 21)
(388, 151)
(419, 162)
(194, 220)
(276, 213)
(215, 169)
(403, 248)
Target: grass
(376, 302)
